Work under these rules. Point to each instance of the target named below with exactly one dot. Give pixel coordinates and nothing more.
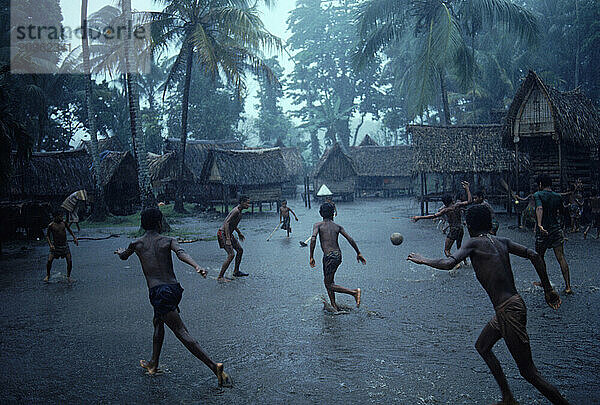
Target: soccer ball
(396, 238)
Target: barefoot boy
(453, 213)
(154, 252)
(328, 232)
(284, 217)
(490, 258)
(56, 235)
(228, 242)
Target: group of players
(489, 255)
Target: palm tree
(226, 36)
(99, 208)
(441, 27)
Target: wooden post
(422, 196)
(560, 169)
(308, 190)
(427, 194)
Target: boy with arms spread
(328, 232)
(453, 213)
(490, 256)
(479, 198)
(154, 252)
(56, 235)
(548, 233)
(228, 242)
(284, 217)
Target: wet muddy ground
(411, 342)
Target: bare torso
(154, 252)
(453, 216)
(328, 232)
(59, 233)
(232, 221)
(285, 211)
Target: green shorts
(553, 239)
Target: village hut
(163, 170)
(368, 141)
(118, 178)
(446, 155)
(337, 171)
(384, 171)
(196, 152)
(559, 130)
(257, 173)
(295, 170)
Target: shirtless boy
(228, 242)
(56, 235)
(548, 233)
(490, 256)
(154, 252)
(453, 213)
(284, 217)
(328, 232)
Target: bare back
(328, 232)
(233, 220)
(491, 262)
(154, 252)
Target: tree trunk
(146, 195)
(184, 118)
(362, 121)
(99, 208)
(447, 120)
(315, 147)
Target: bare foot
(357, 297)
(223, 377)
(223, 280)
(46, 279)
(151, 368)
(537, 284)
(69, 279)
(568, 290)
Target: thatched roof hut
(49, 176)
(196, 151)
(368, 141)
(258, 173)
(294, 165)
(163, 170)
(119, 180)
(385, 170)
(337, 171)
(446, 155)
(560, 130)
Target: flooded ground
(411, 342)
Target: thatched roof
(50, 175)
(196, 151)
(382, 161)
(368, 141)
(105, 144)
(336, 149)
(293, 162)
(245, 167)
(165, 168)
(114, 166)
(459, 149)
(576, 117)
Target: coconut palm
(226, 37)
(442, 28)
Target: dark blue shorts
(165, 298)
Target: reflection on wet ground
(412, 340)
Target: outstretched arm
(447, 263)
(313, 243)
(292, 211)
(185, 257)
(72, 234)
(359, 256)
(465, 185)
(432, 216)
(125, 253)
(551, 296)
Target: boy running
(490, 256)
(56, 235)
(453, 213)
(284, 217)
(228, 242)
(154, 252)
(548, 233)
(479, 198)
(328, 232)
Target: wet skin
(490, 256)
(231, 224)
(56, 235)
(284, 212)
(154, 252)
(328, 232)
